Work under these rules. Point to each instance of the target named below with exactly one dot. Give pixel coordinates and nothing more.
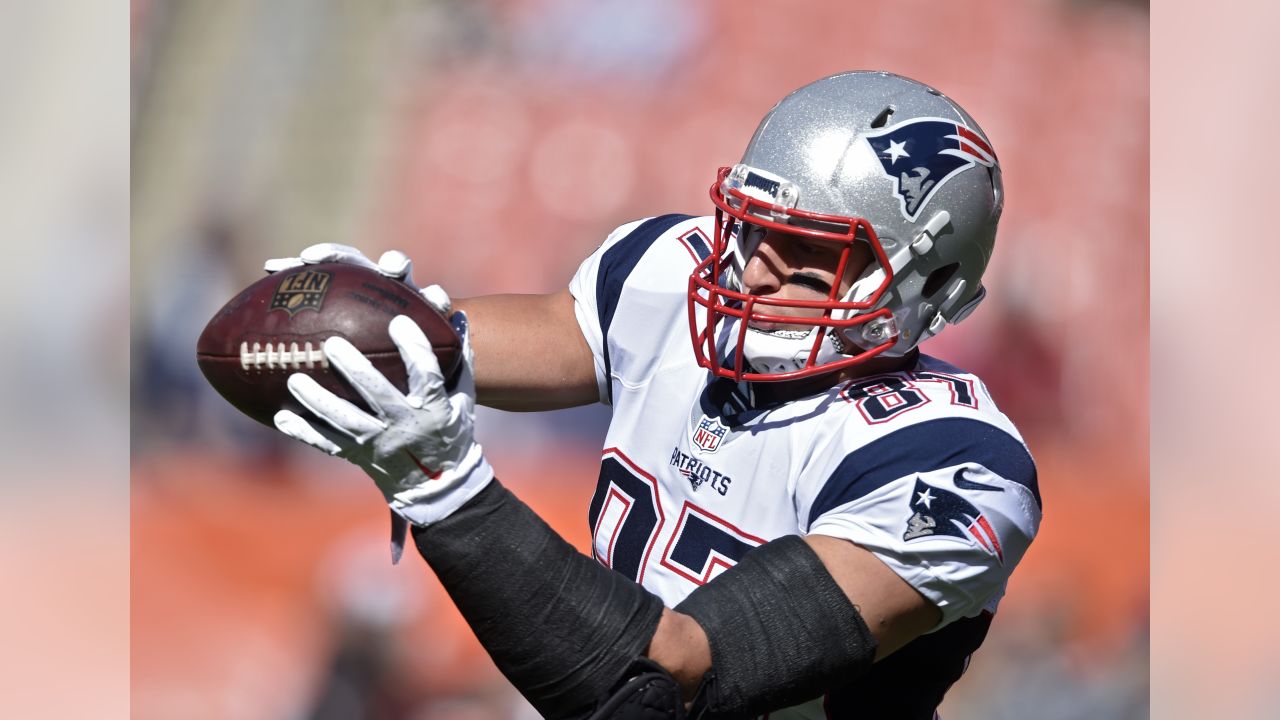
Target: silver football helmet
(859, 157)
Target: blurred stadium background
(497, 142)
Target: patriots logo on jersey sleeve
(936, 511)
(922, 154)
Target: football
(276, 327)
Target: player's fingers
(293, 425)
(372, 385)
(437, 298)
(275, 265)
(396, 264)
(336, 252)
(339, 413)
(426, 381)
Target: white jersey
(917, 466)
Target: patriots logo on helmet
(941, 512)
(923, 153)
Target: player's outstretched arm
(530, 353)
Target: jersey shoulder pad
(950, 504)
(635, 282)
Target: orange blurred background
(497, 143)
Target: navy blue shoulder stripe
(699, 243)
(923, 448)
(616, 265)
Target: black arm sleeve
(560, 626)
(781, 632)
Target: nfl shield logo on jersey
(709, 433)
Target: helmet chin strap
(769, 352)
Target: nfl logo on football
(301, 291)
(709, 433)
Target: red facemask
(718, 303)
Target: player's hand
(419, 447)
(393, 264)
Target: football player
(797, 512)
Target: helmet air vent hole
(883, 117)
(938, 279)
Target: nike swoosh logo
(431, 474)
(971, 485)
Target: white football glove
(393, 264)
(418, 448)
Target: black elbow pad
(781, 632)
